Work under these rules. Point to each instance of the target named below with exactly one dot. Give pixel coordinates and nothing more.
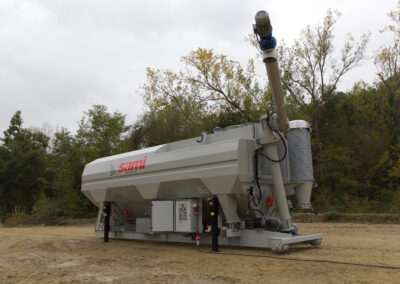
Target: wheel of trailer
(278, 247)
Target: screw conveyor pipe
(267, 43)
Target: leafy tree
(101, 134)
(163, 126)
(347, 167)
(165, 88)
(212, 83)
(387, 62)
(5, 193)
(60, 164)
(311, 70)
(22, 167)
(14, 129)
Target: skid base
(278, 242)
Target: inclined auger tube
(267, 43)
(235, 180)
(278, 101)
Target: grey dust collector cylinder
(299, 146)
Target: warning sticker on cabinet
(182, 212)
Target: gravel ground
(72, 254)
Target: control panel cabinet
(186, 214)
(162, 216)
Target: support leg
(213, 206)
(107, 213)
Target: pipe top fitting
(263, 24)
(263, 29)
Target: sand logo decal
(132, 166)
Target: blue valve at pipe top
(268, 42)
(263, 29)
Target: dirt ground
(72, 254)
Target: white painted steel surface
(225, 157)
(162, 213)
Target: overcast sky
(57, 58)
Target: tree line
(355, 137)
(40, 176)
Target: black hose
(201, 139)
(283, 142)
(309, 260)
(255, 170)
(249, 205)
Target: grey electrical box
(162, 216)
(186, 213)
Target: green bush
(75, 205)
(332, 215)
(48, 211)
(18, 219)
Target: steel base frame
(278, 242)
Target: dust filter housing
(299, 146)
